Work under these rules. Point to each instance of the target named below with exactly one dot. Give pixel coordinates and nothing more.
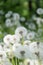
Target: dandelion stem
(17, 61)
(13, 63)
(22, 40)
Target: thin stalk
(22, 40)
(13, 63)
(17, 61)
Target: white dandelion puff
(7, 39)
(22, 31)
(31, 35)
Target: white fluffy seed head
(16, 16)
(30, 35)
(27, 42)
(21, 30)
(22, 52)
(7, 39)
(40, 11)
(15, 39)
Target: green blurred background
(25, 8)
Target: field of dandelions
(21, 32)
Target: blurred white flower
(15, 39)
(40, 30)
(7, 39)
(10, 54)
(22, 52)
(16, 46)
(8, 15)
(10, 12)
(37, 49)
(31, 35)
(8, 23)
(16, 16)
(39, 22)
(18, 35)
(1, 48)
(6, 62)
(21, 30)
(32, 26)
(22, 19)
(36, 62)
(9, 51)
(16, 19)
(31, 62)
(33, 47)
(20, 63)
(1, 12)
(27, 42)
(39, 11)
(41, 50)
(7, 48)
(3, 55)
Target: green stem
(13, 63)
(22, 61)
(17, 61)
(22, 40)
